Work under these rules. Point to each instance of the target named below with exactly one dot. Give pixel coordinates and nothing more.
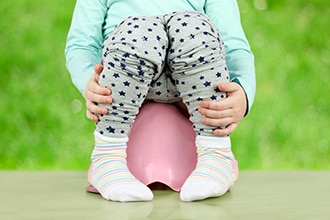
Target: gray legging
(178, 56)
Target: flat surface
(257, 195)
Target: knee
(139, 31)
(191, 22)
(194, 40)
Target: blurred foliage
(43, 124)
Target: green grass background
(42, 115)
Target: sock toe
(199, 190)
(129, 193)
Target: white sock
(214, 173)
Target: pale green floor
(257, 195)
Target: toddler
(174, 56)
(162, 58)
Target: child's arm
(84, 42)
(240, 60)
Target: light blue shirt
(94, 20)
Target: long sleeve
(240, 60)
(84, 42)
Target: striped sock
(214, 173)
(109, 173)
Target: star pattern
(130, 81)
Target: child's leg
(197, 59)
(129, 66)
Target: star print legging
(178, 56)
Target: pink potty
(161, 147)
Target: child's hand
(228, 112)
(94, 93)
